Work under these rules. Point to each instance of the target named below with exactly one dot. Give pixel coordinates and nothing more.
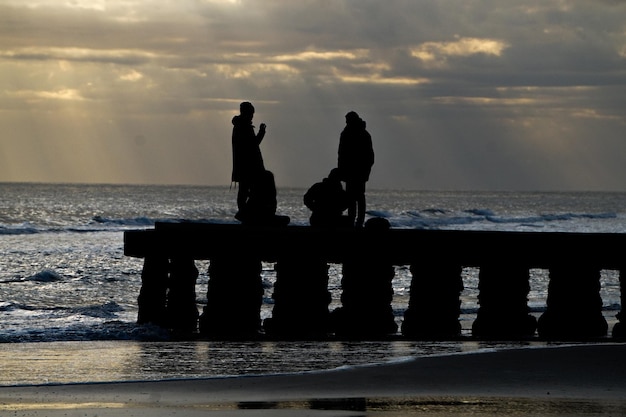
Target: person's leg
(360, 204)
(351, 191)
(242, 194)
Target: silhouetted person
(260, 207)
(355, 160)
(328, 200)
(247, 157)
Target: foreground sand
(573, 380)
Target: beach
(579, 380)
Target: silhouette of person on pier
(355, 161)
(260, 206)
(327, 201)
(248, 163)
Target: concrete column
(619, 330)
(503, 299)
(301, 298)
(366, 297)
(434, 303)
(574, 305)
(152, 297)
(234, 298)
(182, 311)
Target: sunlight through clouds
(436, 82)
(221, 1)
(254, 70)
(377, 79)
(324, 55)
(594, 114)
(491, 101)
(133, 75)
(77, 54)
(436, 53)
(31, 96)
(79, 4)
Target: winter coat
(247, 158)
(356, 153)
(327, 198)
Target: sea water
(68, 295)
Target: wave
(149, 222)
(111, 330)
(549, 218)
(72, 323)
(19, 229)
(44, 276)
(47, 275)
(136, 221)
(427, 219)
(442, 219)
(100, 224)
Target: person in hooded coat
(355, 161)
(327, 201)
(260, 207)
(247, 158)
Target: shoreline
(561, 380)
(42, 363)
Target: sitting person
(328, 200)
(260, 207)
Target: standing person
(355, 161)
(247, 158)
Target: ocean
(68, 295)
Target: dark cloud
(479, 94)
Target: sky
(488, 95)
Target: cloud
(131, 76)
(324, 55)
(123, 57)
(475, 95)
(437, 53)
(67, 94)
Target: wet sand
(580, 380)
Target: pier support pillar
(152, 299)
(434, 302)
(574, 305)
(234, 297)
(619, 330)
(301, 298)
(503, 299)
(367, 293)
(182, 311)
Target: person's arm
(261, 134)
(370, 150)
(310, 197)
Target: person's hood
(240, 121)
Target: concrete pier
(301, 255)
